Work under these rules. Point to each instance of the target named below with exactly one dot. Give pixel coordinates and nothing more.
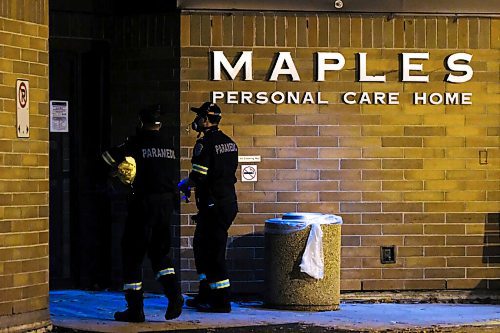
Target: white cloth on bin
(313, 262)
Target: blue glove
(184, 187)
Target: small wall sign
(249, 159)
(23, 108)
(59, 116)
(248, 173)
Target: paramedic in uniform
(214, 163)
(150, 207)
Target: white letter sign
(278, 67)
(244, 60)
(407, 67)
(323, 66)
(452, 65)
(362, 71)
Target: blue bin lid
(290, 222)
(301, 216)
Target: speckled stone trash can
(286, 287)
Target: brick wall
(24, 183)
(405, 175)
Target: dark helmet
(151, 114)
(208, 108)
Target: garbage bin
(286, 286)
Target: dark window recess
(388, 254)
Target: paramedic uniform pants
(210, 238)
(147, 230)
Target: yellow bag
(127, 170)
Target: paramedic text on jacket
(147, 162)
(214, 163)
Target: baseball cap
(208, 108)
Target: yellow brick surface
(24, 164)
(406, 174)
(495, 33)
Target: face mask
(197, 124)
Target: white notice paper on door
(59, 116)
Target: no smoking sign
(248, 173)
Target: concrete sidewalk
(83, 311)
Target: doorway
(80, 207)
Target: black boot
(201, 297)
(218, 302)
(135, 307)
(172, 290)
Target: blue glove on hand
(184, 187)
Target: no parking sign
(248, 173)
(23, 108)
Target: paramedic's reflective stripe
(132, 286)
(200, 168)
(108, 158)
(202, 277)
(165, 271)
(220, 284)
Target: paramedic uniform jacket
(156, 161)
(215, 159)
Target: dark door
(80, 219)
